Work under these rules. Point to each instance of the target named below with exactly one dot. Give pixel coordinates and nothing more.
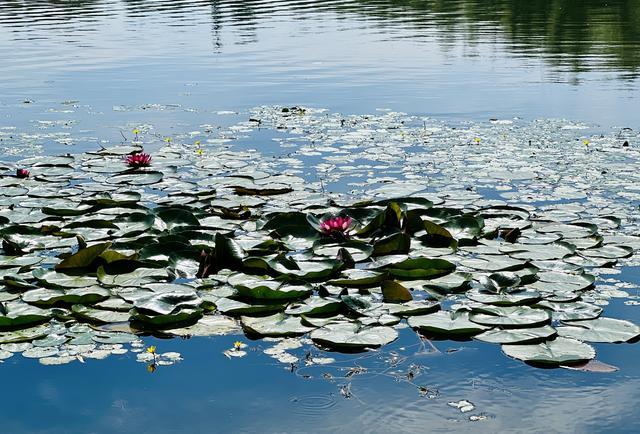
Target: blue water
(209, 393)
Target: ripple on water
(313, 405)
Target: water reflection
(576, 36)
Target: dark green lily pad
(315, 306)
(263, 288)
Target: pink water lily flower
(138, 160)
(22, 173)
(336, 225)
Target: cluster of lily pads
(98, 251)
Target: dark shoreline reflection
(569, 35)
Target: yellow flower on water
(586, 142)
(168, 139)
(199, 152)
(237, 345)
(151, 349)
(136, 131)
(197, 142)
(477, 140)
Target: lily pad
(572, 311)
(358, 278)
(137, 277)
(136, 177)
(263, 288)
(517, 336)
(49, 297)
(447, 323)
(275, 325)
(208, 325)
(353, 336)
(510, 316)
(556, 352)
(55, 279)
(504, 299)
(600, 330)
(315, 306)
(14, 314)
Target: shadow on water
(575, 36)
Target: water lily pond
(306, 254)
(107, 256)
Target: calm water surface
(467, 59)
(103, 64)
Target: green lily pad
(358, 278)
(99, 316)
(504, 299)
(511, 316)
(167, 300)
(359, 251)
(55, 279)
(415, 307)
(179, 316)
(275, 325)
(18, 261)
(49, 297)
(309, 270)
(230, 306)
(493, 263)
(353, 336)
(421, 268)
(608, 252)
(136, 177)
(15, 314)
(263, 288)
(600, 330)
(517, 336)
(446, 323)
(556, 352)
(138, 277)
(535, 252)
(451, 283)
(24, 334)
(571, 311)
(315, 306)
(208, 325)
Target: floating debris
(464, 406)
